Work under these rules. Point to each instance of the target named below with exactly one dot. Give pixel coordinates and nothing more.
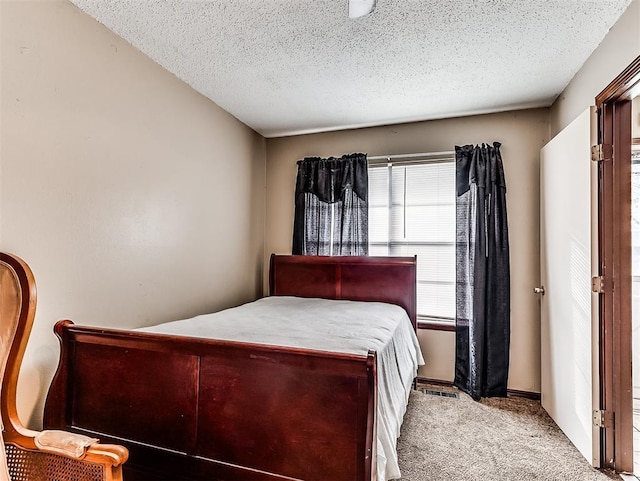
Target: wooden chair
(33, 455)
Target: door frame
(614, 249)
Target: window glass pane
(436, 262)
(430, 184)
(397, 203)
(379, 186)
(430, 223)
(378, 250)
(419, 220)
(378, 206)
(378, 224)
(437, 299)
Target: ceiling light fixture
(360, 8)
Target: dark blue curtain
(331, 207)
(482, 272)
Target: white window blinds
(412, 212)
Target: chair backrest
(17, 310)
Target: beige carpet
(496, 439)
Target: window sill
(436, 325)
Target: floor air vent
(434, 392)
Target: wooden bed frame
(189, 408)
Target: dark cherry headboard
(382, 279)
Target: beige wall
(616, 51)
(523, 133)
(134, 199)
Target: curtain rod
(449, 153)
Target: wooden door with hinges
(615, 253)
(569, 322)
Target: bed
(189, 406)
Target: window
(412, 211)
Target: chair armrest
(70, 445)
(99, 453)
(64, 443)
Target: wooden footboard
(205, 409)
(217, 410)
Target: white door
(569, 309)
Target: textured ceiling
(285, 67)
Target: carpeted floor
(496, 439)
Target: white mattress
(328, 325)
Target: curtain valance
(328, 178)
(331, 206)
(480, 165)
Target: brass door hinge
(603, 419)
(601, 152)
(597, 284)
